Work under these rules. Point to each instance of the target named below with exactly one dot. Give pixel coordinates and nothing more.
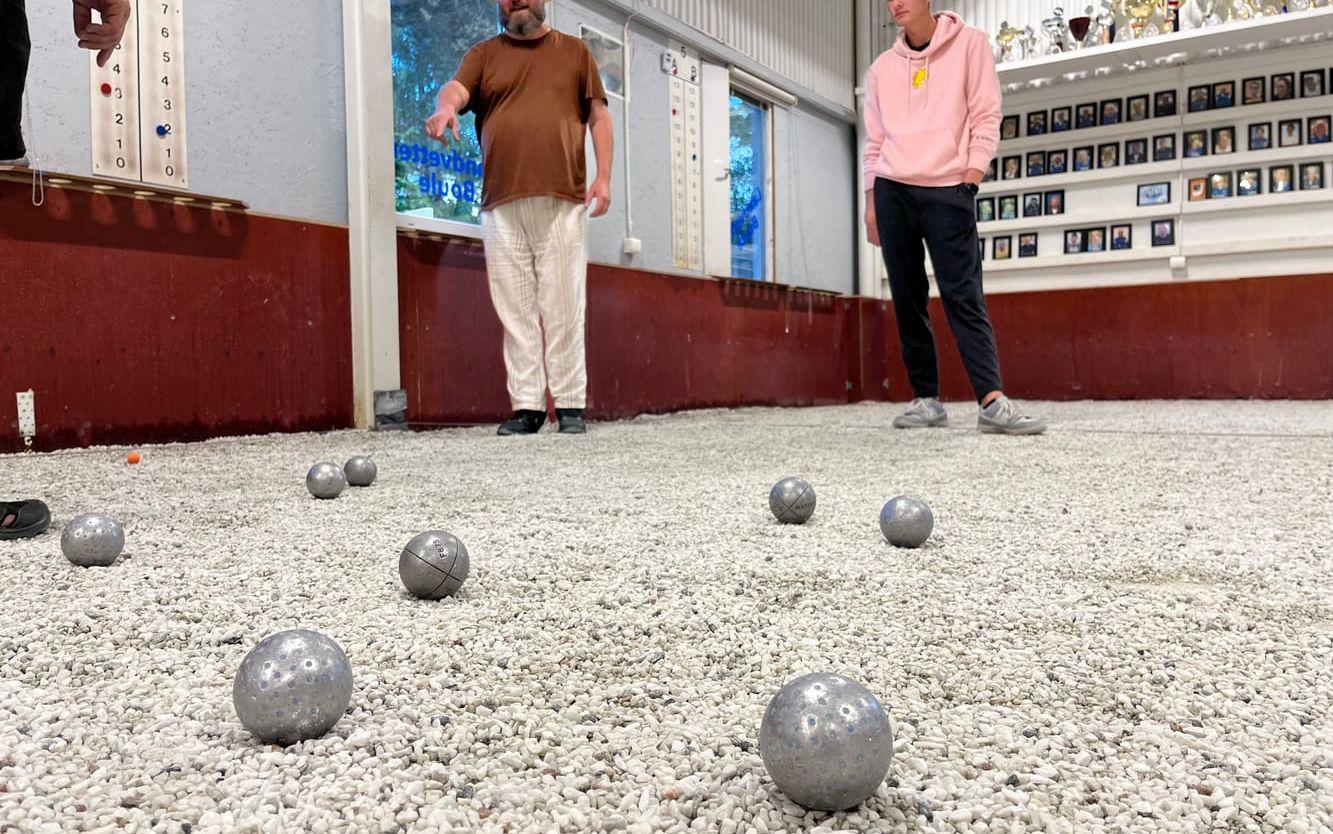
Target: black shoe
(523, 422)
(22, 519)
(571, 421)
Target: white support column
(372, 225)
(866, 254)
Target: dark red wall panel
(134, 320)
(655, 342)
(1252, 338)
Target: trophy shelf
(1226, 40)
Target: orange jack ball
(132, 457)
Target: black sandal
(23, 519)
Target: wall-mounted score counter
(115, 109)
(138, 99)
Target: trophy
(1139, 13)
(1105, 20)
(1054, 27)
(1028, 42)
(1191, 15)
(1078, 27)
(1004, 42)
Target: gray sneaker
(1003, 417)
(925, 413)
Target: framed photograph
(1037, 123)
(1085, 116)
(992, 170)
(1061, 119)
(1012, 167)
(1280, 179)
(1036, 163)
(1111, 111)
(1219, 185)
(1200, 98)
(1136, 151)
(1108, 155)
(1096, 240)
(1164, 232)
(1198, 189)
(609, 53)
(1317, 130)
(1164, 147)
(1252, 91)
(1074, 242)
(1224, 94)
(1056, 162)
(1000, 247)
(1261, 136)
(1055, 202)
(1009, 127)
(1032, 205)
(1312, 175)
(1164, 104)
(1196, 143)
(1136, 108)
(1282, 86)
(1154, 193)
(1027, 245)
(1083, 158)
(1288, 133)
(1009, 207)
(1312, 83)
(1224, 140)
(1122, 236)
(1249, 182)
(985, 209)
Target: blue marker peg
(163, 130)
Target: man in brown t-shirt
(534, 91)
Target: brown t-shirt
(532, 100)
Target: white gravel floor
(1125, 625)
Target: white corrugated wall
(809, 42)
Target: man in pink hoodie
(932, 117)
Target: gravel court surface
(1123, 625)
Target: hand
(973, 176)
(601, 192)
(105, 36)
(441, 120)
(872, 227)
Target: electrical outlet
(27, 414)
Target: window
(430, 38)
(749, 188)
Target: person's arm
(455, 96)
(983, 109)
(103, 37)
(874, 141)
(599, 123)
(452, 99)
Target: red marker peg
(106, 89)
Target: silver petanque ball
(325, 480)
(826, 742)
(92, 540)
(906, 522)
(294, 685)
(792, 501)
(433, 565)
(360, 471)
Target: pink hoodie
(931, 115)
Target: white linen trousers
(537, 266)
